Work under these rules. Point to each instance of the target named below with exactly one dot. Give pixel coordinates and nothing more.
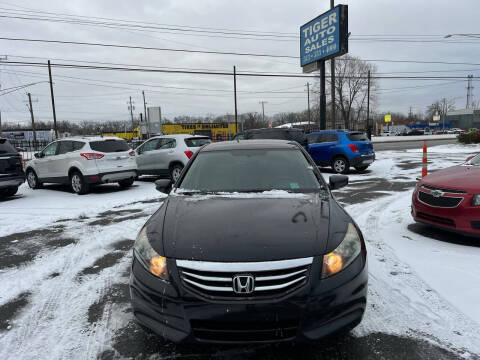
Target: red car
(450, 198)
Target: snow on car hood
(222, 228)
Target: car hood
(242, 228)
(462, 177)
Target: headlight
(476, 200)
(148, 257)
(344, 254)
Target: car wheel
(175, 172)
(78, 184)
(126, 183)
(32, 180)
(11, 191)
(361, 168)
(340, 165)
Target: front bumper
(362, 160)
(13, 181)
(322, 307)
(463, 219)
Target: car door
(166, 153)
(321, 151)
(44, 163)
(146, 155)
(58, 167)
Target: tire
(175, 172)
(126, 183)
(32, 180)
(340, 165)
(361, 168)
(10, 191)
(78, 184)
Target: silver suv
(83, 162)
(168, 154)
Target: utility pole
(369, 127)
(308, 104)
(131, 108)
(33, 119)
(53, 100)
(235, 98)
(323, 101)
(0, 122)
(332, 80)
(263, 109)
(147, 125)
(469, 91)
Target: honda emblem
(243, 284)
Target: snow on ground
(64, 263)
(384, 139)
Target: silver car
(167, 154)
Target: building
(464, 118)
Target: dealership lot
(64, 274)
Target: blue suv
(341, 150)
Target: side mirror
(470, 158)
(38, 155)
(338, 181)
(163, 185)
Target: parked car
(341, 150)
(277, 133)
(11, 169)
(249, 246)
(414, 132)
(168, 154)
(455, 131)
(83, 162)
(450, 198)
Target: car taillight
(21, 160)
(131, 153)
(92, 156)
(188, 153)
(353, 147)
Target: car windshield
(109, 146)
(475, 160)
(197, 141)
(250, 171)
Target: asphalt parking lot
(72, 297)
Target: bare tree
(440, 107)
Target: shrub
(470, 138)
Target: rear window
(6, 147)
(357, 137)
(197, 142)
(109, 146)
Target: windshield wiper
(194, 192)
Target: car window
(251, 170)
(168, 143)
(50, 150)
(197, 141)
(77, 145)
(65, 147)
(150, 145)
(330, 138)
(475, 161)
(313, 138)
(6, 147)
(357, 137)
(109, 146)
(321, 138)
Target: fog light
(476, 200)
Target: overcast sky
(100, 95)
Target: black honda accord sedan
(249, 246)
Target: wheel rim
(339, 165)
(31, 179)
(176, 173)
(76, 183)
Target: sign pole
(323, 99)
(369, 128)
(235, 96)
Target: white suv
(168, 154)
(82, 162)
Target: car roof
(90, 138)
(251, 145)
(179, 136)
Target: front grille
(441, 201)
(255, 331)
(271, 278)
(436, 219)
(452, 191)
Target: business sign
(324, 37)
(436, 117)
(388, 118)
